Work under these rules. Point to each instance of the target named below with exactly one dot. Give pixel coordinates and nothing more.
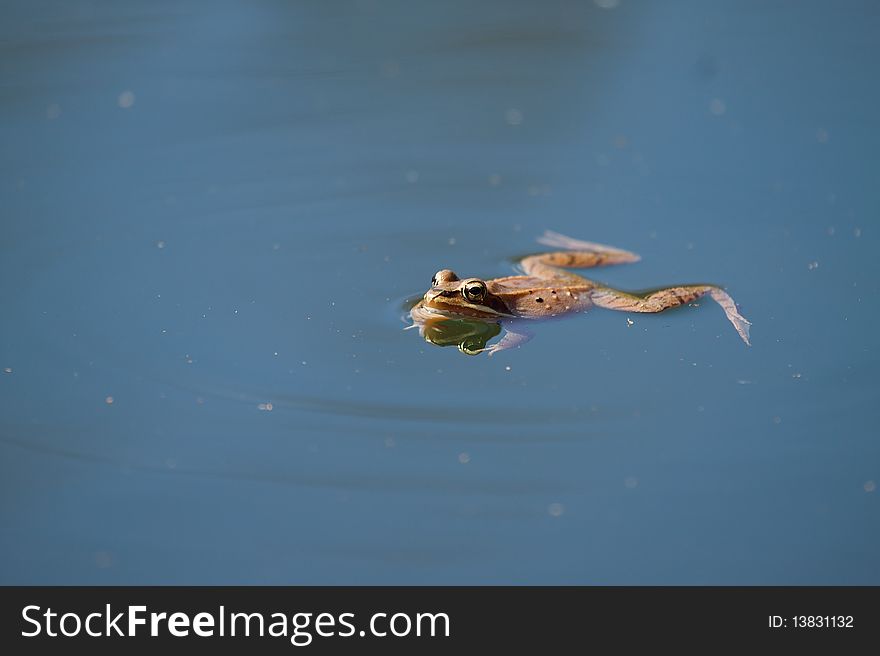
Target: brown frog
(546, 290)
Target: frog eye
(474, 290)
(443, 276)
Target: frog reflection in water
(469, 312)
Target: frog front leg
(515, 335)
(669, 297)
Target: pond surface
(213, 221)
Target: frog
(547, 288)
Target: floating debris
(126, 99)
(555, 509)
(265, 406)
(812, 266)
(464, 458)
(108, 400)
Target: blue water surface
(213, 216)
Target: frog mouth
(436, 303)
(440, 294)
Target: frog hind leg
(577, 254)
(670, 297)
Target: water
(213, 219)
